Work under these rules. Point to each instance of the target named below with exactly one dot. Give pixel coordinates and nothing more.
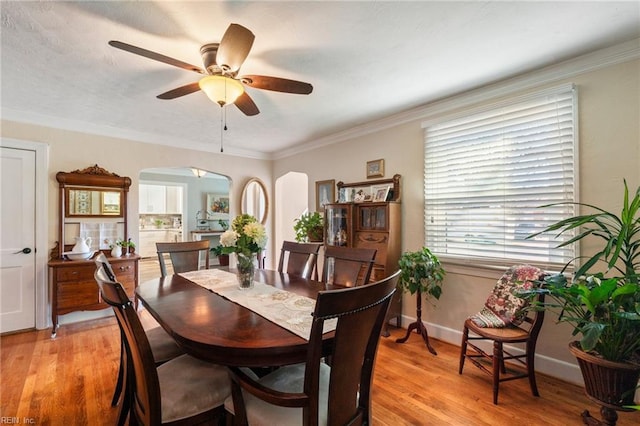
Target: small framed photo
(325, 193)
(375, 168)
(380, 193)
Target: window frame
(488, 107)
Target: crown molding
(589, 62)
(76, 126)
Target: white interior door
(17, 239)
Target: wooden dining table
(213, 328)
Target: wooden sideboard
(73, 287)
(88, 197)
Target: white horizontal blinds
(487, 174)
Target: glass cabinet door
(338, 219)
(372, 217)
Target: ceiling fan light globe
(220, 89)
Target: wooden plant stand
(418, 326)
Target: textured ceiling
(366, 60)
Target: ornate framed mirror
(254, 200)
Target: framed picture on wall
(325, 193)
(217, 203)
(375, 168)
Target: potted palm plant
(421, 273)
(604, 311)
(309, 227)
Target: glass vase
(245, 270)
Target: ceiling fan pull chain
(221, 139)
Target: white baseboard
(544, 364)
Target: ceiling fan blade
(155, 56)
(246, 105)
(234, 47)
(180, 91)
(277, 84)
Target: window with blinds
(489, 171)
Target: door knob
(25, 250)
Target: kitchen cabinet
(161, 199)
(149, 238)
(152, 198)
(173, 197)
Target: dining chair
(505, 319)
(185, 256)
(300, 258)
(184, 390)
(163, 347)
(315, 393)
(347, 266)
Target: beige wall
(609, 151)
(609, 132)
(70, 151)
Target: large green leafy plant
(421, 270)
(309, 227)
(605, 311)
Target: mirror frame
(69, 210)
(245, 190)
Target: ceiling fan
(222, 62)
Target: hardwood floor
(69, 381)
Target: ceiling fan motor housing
(209, 52)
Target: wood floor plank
(70, 380)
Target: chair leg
(463, 348)
(120, 380)
(531, 372)
(498, 363)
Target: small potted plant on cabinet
(130, 247)
(223, 258)
(309, 227)
(604, 311)
(421, 273)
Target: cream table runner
(288, 310)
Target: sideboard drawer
(124, 267)
(81, 273)
(77, 294)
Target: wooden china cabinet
(370, 224)
(92, 198)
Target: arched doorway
(291, 201)
(173, 206)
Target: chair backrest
(533, 319)
(185, 256)
(146, 401)
(106, 273)
(347, 266)
(301, 258)
(360, 312)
